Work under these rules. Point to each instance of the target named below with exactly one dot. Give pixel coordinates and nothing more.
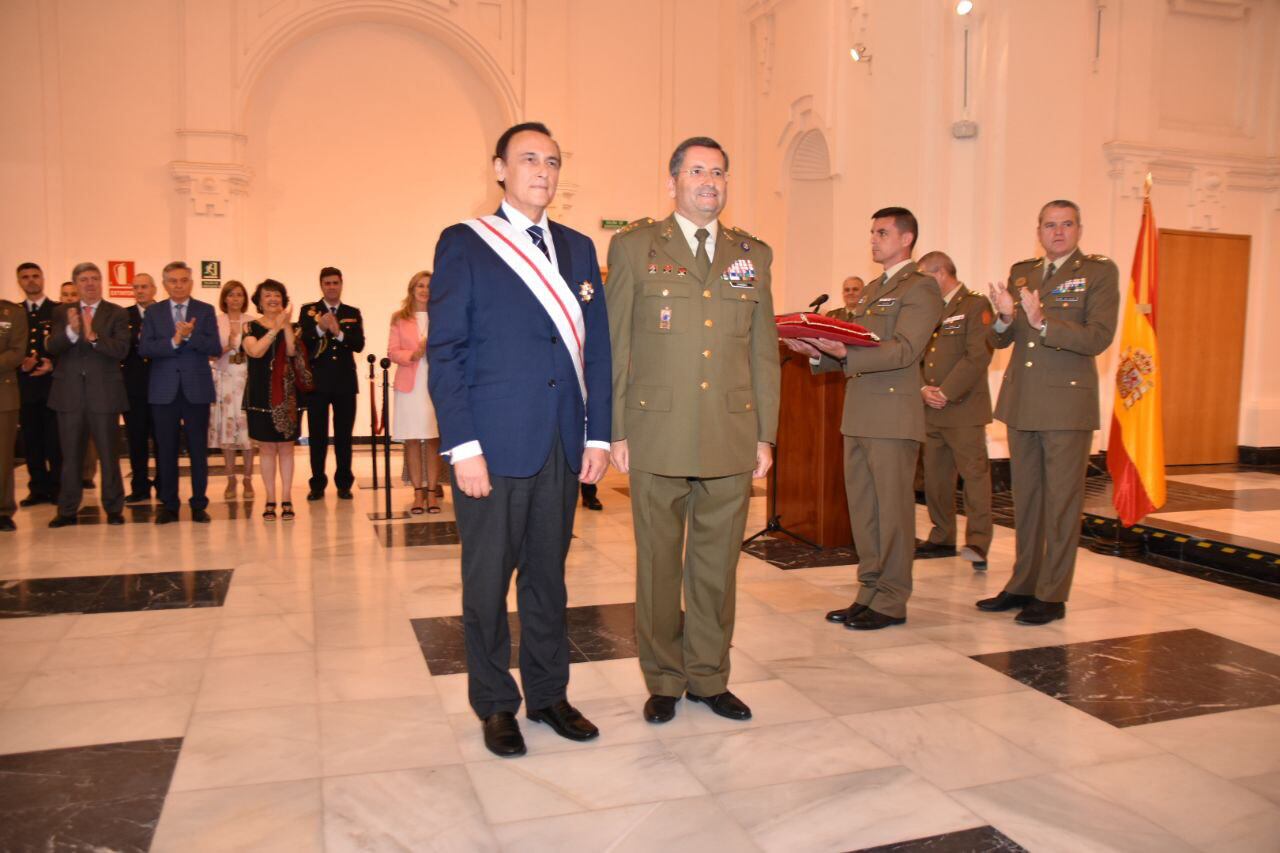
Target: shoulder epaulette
(1102, 258)
(634, 225)
(1028, 261)
(745, 233)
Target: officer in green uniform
(695, 410)
(957, 411)
(13, 349)
(851, 292)
(1057, 313)
(883, 421)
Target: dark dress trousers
(39, 423)
(88, 395)
(500, 375)
(180, 391)
(333, 365)
(137, 421)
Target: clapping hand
(73, 320)
(1001, 299)
(29, 363)
(182, 330)
(45, 366)
(329, 322)
(1032, 308)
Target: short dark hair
(270, 284)
(28, 265)
(1060, 202)
(903, 219)
(504, 141)
(943, 259)
(326, 272)
(677, 157)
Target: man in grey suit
(87, 340)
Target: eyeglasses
(698, 173)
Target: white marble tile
(372, 672)
(1264, 784)
(1200, 808)
(580, 780)
(847, 812)
(263, 634)
(772, 702)
(1059, 814)
(35, 629)
(259, 599)
(695, 825)
(258, 681)
(25, 656)
(940, 673)
(338, 629)
(771, 636)
(184, 620)
(85, 723)
(105, 683)
(228, 748)
(791, 595)
(375, 735)
(193, 644)
(945, 747)
(1226, 744)
(420, 809)
(846, 684)
(279, 816)
(10, 684)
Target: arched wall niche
(809, 192)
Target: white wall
(281, 136)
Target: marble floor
(301, 686)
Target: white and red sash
(543, 280)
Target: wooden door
(1203, 290)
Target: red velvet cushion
(806, 325)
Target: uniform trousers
(344, 422)
(41, 447)
(8, 431)
(688, 536)
(949, 450)
(1048, 470)
(879, 475)
(141, 432)
(525, 522)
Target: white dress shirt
(688, 229)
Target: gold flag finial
(1146, 186)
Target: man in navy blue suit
(519, 372)
(180, 335)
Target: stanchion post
(386, 423)
(373, 420)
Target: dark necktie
(701, 256)
(535, 232)
(1048, 273)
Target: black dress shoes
(844, 615)
(64, 521)
(166, 516)
(201, 516)
(137, 498)
(926, 550)
(313, 495)
(725, 704)
(35, 500)
(975, 554)
(502, 735)
(1041, 612)
(660, 709)
(345, 495)
(1004, 601)
(566, 720)
(873, 620)
(6, 524)
(592, 502)
(115, 519)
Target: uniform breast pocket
(883, 319)
(738, 306)
(665, 308)
(1066, 307)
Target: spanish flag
(1135, 453)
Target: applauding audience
(415, 419)
(228, 425)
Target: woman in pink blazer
(415, 418)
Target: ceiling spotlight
(859, 53)
(964, 7)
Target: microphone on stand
(817, 303)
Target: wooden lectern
(806, 491)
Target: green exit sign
(613, 224)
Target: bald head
(941, 268)
(144, 290)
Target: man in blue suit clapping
(519, 372)
(180, 335)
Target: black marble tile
(418, 534)
(1148, 678)
(89, 798)
(114, 593)
(596, 632)
(790, 554)
(982, 839)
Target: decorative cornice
(210, 186)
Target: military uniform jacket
(841, 313)
(333, 361)
(1051, 382)
(13, 349)
(957, 360)
(135, 366)
(695, 362)
(87, 377)
(882, 396)
(35, 389)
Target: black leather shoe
(166, 516)
(138, 498)
(566, 720)
(977, 555)
(86, 484)
(1004, 601)
(313, 495)
(345, 495)
(115, 518)
(660, 709)
(6, 524)
(843, 616)
(35, 500)
(926, 550)
(592, 502)
(502, 735)
(873, 620)
(725, 704)
(1041, 612)
(201, 516)
(64, 521)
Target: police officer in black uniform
(38, 422)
